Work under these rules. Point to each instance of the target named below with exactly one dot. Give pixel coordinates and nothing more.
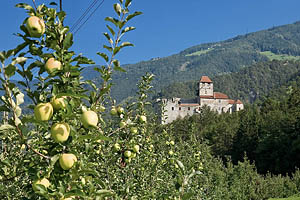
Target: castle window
(219, 100)
(189, 108)
(179, 108)
(172, 108)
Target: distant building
(217, 101)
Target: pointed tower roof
(205, 79)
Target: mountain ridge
(210, 59)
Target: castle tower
(206, 87)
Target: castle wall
(173, 110)
(206, 89)
(217, 105)
(239, 107)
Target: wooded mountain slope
(249, 84)
(210, 59)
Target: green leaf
(116, 62)
(76, 192)
(20, 47)
(68, 41)
(19, 60)
(89, 172)
(9, 53)
(6, 127)
(108, 38)
(83, 60)
(129, 17)
(181, 166)
(101, 137)
(4, 109)
(93, 138)
(10, 70)
(187, 196)
(111, 30)
(73, 95)
(127, 3)
(104, 56)
(126, 44)
(2, 57)
(53, 4)
(61, 15)
(41, 188)
(54, 159)
(104, 193)
(25, 6)
(127, 29)
(108, 48)
(118, 68)
(118, 8)
(116, 22)
(116, 50)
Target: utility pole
(60, 5)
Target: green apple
(136, 148)
(67, 160)
(43, 111)
(35, 26)
(122, 124)
(133, 130)
(69, 198)
(52, 65)
(45, 182)
(151, 147)
(60, 132)
(171, 153)
(89, 118)
(58, 103)
(143, 119)
(113, 111)
(117, 146)
(120, 110)
(172, 142)
(127, 154)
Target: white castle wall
(175, 109)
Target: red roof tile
(239, 102)
(206, 97)
(205, 79)
(219, 95)
(230, 101)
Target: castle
(217, 101)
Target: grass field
(198, 53)
(273, 56)
(294, 197)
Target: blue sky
(165, 28)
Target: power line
(88, 17)
(83, 15)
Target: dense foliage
(104, 150)
(268, 133)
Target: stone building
(179, 108)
